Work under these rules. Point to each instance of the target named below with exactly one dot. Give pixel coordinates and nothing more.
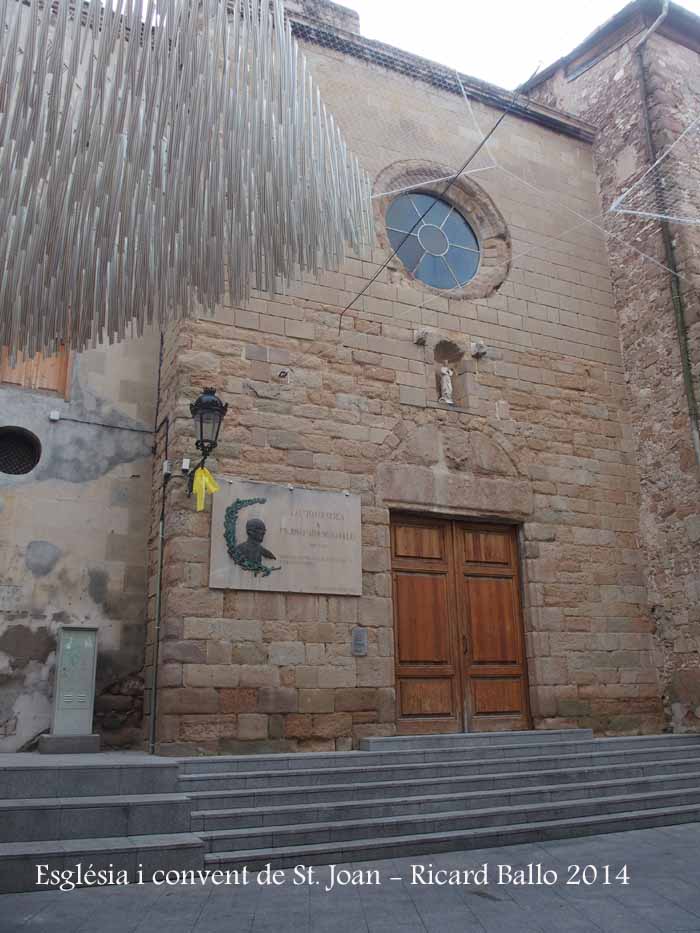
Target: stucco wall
(540, 438)
(73, 538)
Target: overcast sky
(502, 41)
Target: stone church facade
(529, 553)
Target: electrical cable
(102, 424)
(583, 220)
(444, 191)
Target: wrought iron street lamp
(208, 412)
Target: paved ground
(663, 894)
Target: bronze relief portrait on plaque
(248, 554)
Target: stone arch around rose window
(471, 201)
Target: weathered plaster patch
(24, 644)
(71, 450)
(10, 595)
(41, 557)
(33, 712)
(74, 526)
(98, 585)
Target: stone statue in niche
(446, 388)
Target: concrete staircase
(419, 795)
(117, 810)
(394, 797)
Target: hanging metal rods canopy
(155, 157)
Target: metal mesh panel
(19, 451)
(669, 189)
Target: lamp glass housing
(208, 412)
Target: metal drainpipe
(156, 632)
(159, 587)
(676, 296)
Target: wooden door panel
(428, 686)
(493, 696)
(49, 373)
(494, 626)
(422, 618)
(419, 541)
(460, 660)
(490, 617)
(426, 697)
(487, 547)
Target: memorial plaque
(285, 540)
(74, 696)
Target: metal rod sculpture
(155, 157)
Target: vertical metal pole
(670, 256)
(156, 632)
(159, 589)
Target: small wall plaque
(359, 641)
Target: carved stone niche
(450, 373)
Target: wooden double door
(460, 654)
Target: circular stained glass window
(20, 451)
(433, 240)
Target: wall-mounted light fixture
(208, 411)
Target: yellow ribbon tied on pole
(203, 483)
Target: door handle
(464, 644)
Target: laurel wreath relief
(230, 521)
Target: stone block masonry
(611, 95)
(245, 671)
(541, 439)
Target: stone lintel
(477, 496)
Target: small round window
(433, 240)
(20, 451)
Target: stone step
(100, 775)
(240, 780)
(471, 739)
(462, 744)
(380, 790)
(19, 860)
(314, 760)
(89, 817)
(371, 848)
(343, 830)
(215, 820)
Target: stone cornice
(439, 76)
